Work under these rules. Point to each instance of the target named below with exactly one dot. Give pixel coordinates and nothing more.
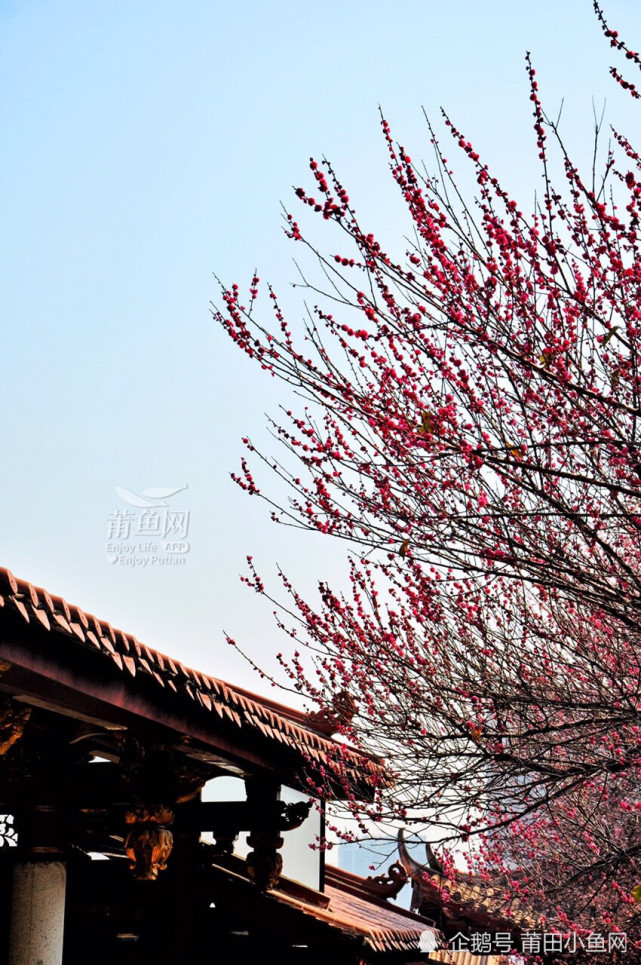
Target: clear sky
(149, 143)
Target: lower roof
(343, 912)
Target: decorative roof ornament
(389, 885)
(341, 711)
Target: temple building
(119, 834)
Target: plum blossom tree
(470, 424)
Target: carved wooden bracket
(13, 717)
(149, 842)
(158, 773)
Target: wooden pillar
(187, 900)
(264, 863)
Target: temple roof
(82, 659)
(346, 911)
(467, 899)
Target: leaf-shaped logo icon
(428, 942)
(132, 499)
(162, 493)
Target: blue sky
(149, 144)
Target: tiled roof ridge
(272, 720)
(392, 940)
(469, 891)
